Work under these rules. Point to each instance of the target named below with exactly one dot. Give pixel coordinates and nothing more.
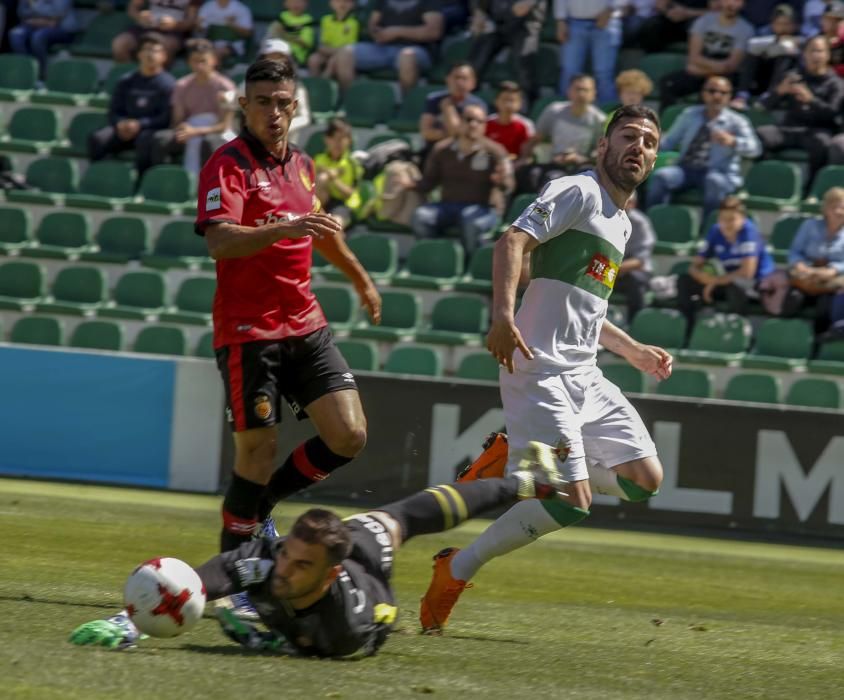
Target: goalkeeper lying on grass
(324, 589)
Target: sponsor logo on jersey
(602, 269)
(213, 200)
(349, 377)
(562, 450)
(263, 408)
(540, 212)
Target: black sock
(440, 508)
(239, 507)
(312, 461)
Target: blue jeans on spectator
(370, 56)
(36, 41)
(475, 221)
(585, 35)
(676, 178)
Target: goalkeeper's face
(302, 570)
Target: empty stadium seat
(77, 291)
(379, 255)
(773, 185)
(97, 335)
(22, 284)
(96, 36)
(479, 366)
(478, 277)
(18, 74)
(663, 327)
(828, 176)
(60, 234)
(37, 330)
(15, 229)
(830, 358)
(161, 340)
(165, 189)
(658, 65)
(783, 234)
(411, 107)
(756, 388)
(119, 240)
(360, 354)
(193, 303)
(68, 82)
(51, 177)
(414, 359)
(138, 294)
(368, 102)
(814, 392)
(721, 339)
(31, 130)
(456, 320)
(691, 383)
(322, 96)
(432, 264)
(339, 304)
(81, 126)
(780, 344)
(676, 228)
(178, 245)
(105, 185)
(205, 346)
(400, 317)
(625, 377)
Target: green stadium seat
(95, 38)
(452, 51)
(362, 355)
(194, 301)
(830, 358)
(663, 327)
(178, 246)
(115, 73)
(37, 330)
(760, 117)
(658, 65)
(691, 383)
(814, 392)
(379, 255)
(165, 189)
(263, 10)
(414, 359)
(669, 115)
(15, 229)
(69, 82)
(625, 377)
(21, 285)
(783, 344)
(161, 340)
(76, 291)
(205, 346)
(315, 143)
(60, 235)
(480, 366)
(518, 204)
(773, 185)
(119, 240)
(51, 177)
(18, 74)
(411, 107)
(106, 184)
(432, 264)
(783, 234)
(400, 317)
(456, 320)
(368, 102)
(138, 294)
(828, 176)
(478, 278)
(548, 60)
(97, 335)
(81, 126)
(31, 130)
(676, 228)
(755, 388)
(721, 339)
(322, 96)
(339, 304)
(664, 158)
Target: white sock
(605, 482)
(524, 523)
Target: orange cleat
(441, 597)
(491, 462)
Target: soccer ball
(164, 597)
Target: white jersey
(582, 235)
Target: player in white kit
(551, 389)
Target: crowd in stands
(735, 82)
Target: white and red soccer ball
(164, 597)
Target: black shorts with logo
(258, 374)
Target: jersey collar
(261, 154)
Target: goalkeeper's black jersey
(356, 614)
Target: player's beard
(616, 170)
(283, 589)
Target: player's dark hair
(319, 526)
(202, 46)
(732, 203)
(153, 38)
(632, 112)
(508, 87)
(271, 71)
(460, 64)
(580, 76)
(338, 126)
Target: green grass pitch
(584, 614)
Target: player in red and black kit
(260, 217)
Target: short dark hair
(580, 76)
(193, 46)
(153, 38)
(733, 203)
(271, 71)
(460, 64)
(632, 112)
(320, 526)
(508, 86)
(337, 125)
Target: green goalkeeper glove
(250, 636)
(117, 632)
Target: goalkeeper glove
(250, 636)
(117, 632)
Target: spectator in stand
(588, 28)
(633, 87)
(634, 14)
(812, 12)
(174, 20)
(730, 266)
(573, 128)
(512, 24)
(717, 45)
(816, 261)
(769, 57)
(403, 36)
(636, 270)
(336, 30)
(295, 26)
(42, 24)
(468, 169)
(228, 25)
(443, 108)
(338, 175)
(198, 108)
(507, 126)
(669, 24)
(712, 139)
(759, 13)
(832, 27)
(812, 98)
(140, 106)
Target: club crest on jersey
(306, 180)
(263, 407)
(540, 213)
(213, 199)
(602, 269)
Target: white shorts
(583, 414)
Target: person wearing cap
(832, 27)
(279, 50)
